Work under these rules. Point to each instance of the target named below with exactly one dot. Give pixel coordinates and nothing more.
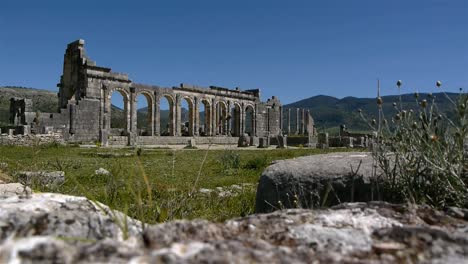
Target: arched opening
(221, 118)
(186, 117)
(118, 109)
(166, 116)
(144, 114)
(249, 120)
(205, 118)
(236, 120)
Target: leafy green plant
(421, 152)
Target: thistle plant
(421, 152)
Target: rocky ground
(46, 228)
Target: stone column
(302, 121)
(298, 122)
(151, 118)
(157, 115)
(254, 121)
(213, 118)
(228, 119)
(288, 130)
(103, 120)
(242, 119)
(281, 123)
(178, 116)
(132, 118)
(196, 113)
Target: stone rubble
(102, 172)
(46, 178)
(227, 191)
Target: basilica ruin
(85, 108)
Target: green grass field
(155, 185)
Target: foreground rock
(317, 181)
(54, 228)
(68, 217)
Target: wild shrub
(421, 152)
(229, 161)
(257, 163)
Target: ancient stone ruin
(84, 110)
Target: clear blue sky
(293, 49)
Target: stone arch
(188, 121)
(146, 128)
(113, 120)
(167, 128)
(249, 120)
(236, 117)
(221, 118)
(205, 128)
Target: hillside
(330, 112)
(43, 100)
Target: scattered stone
(13, 189)
(316, 181)
(102, 171)
(46, 178)
(192, 143)
(114, 155)
(227, 191)
(205, 191)
(43, 214)
(244, 141)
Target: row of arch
(186, 115)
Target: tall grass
(421, 151)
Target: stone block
(192, 143)
(244, 141)
(322, 140)
(264, 142)
(253, 141)
(282, 141)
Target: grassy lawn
(156, 185)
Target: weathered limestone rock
(41, 177)
(43, 214)
(66, 229)
(350, 233)
(315, 181)
(13, 189)
(102, 172)
(244, 141)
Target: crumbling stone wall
(84, 110)
(31, 139)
